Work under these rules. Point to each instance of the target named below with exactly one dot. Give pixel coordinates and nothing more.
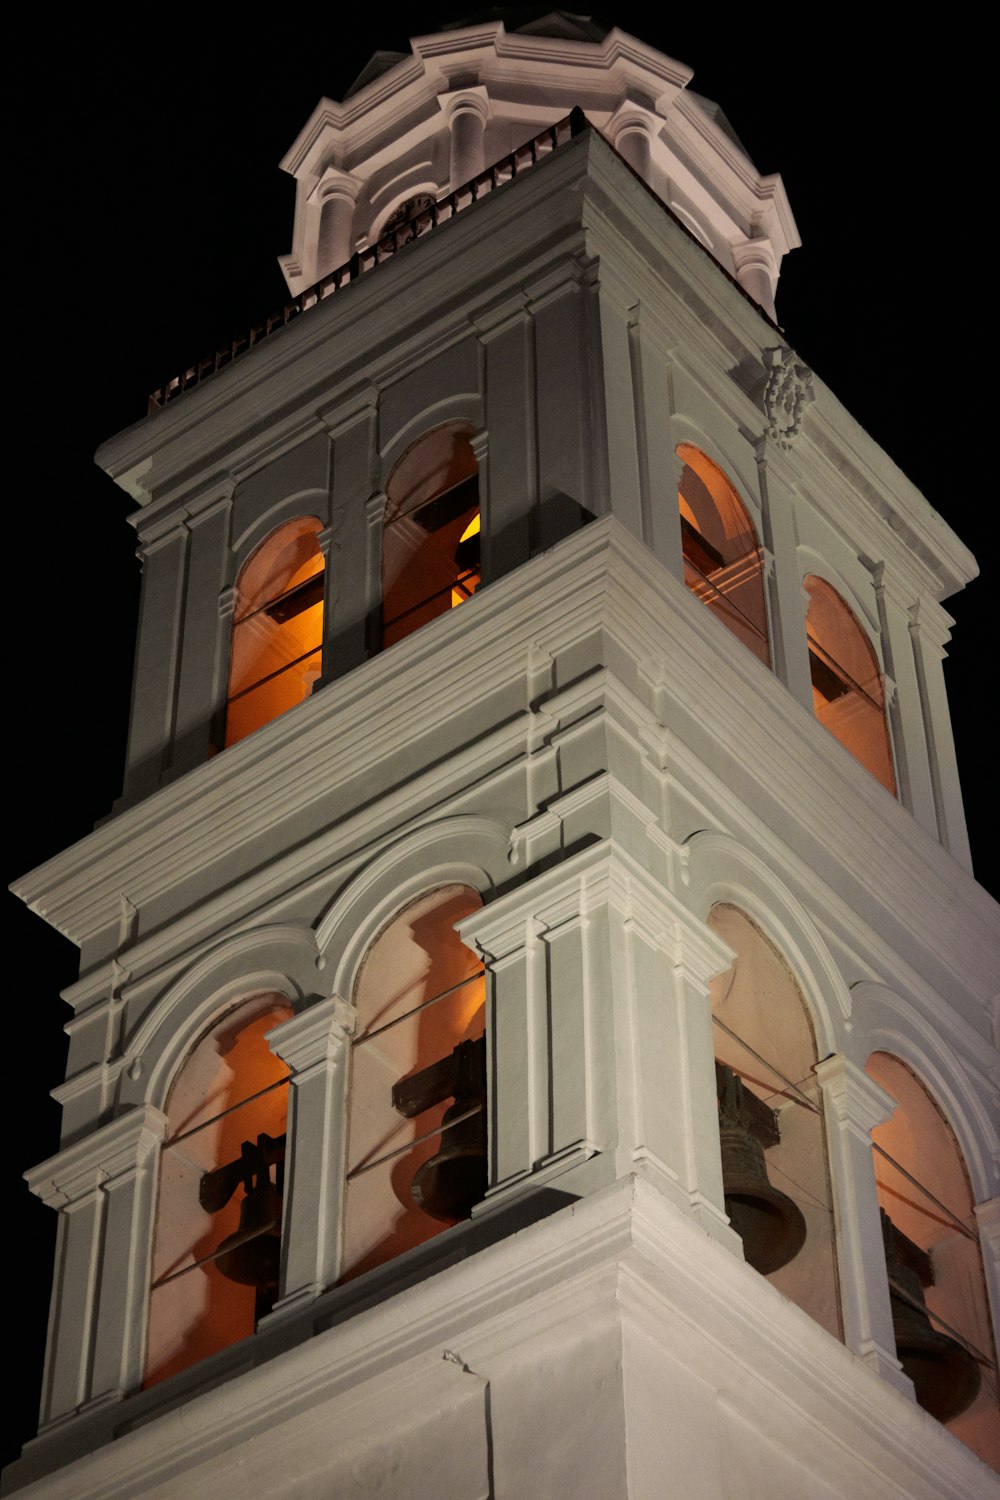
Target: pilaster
(786, 599)
(601, 1035)
(929, 634)
(164, 567)
(853, 1104)
(204, 656)
(349, 594)
(903, 706)
(316, 1046)
(104, 1189)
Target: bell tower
(533, 1027)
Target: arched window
(847, 684)
(430, 551)
(277, 645)
(723, 563)
(416, 1150)
(218, 1218)
(774, 1159)
(940, 1309)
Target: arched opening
(431, 538)
(848, 699)
(277, 647)
(416, 1154)
(933, 1260)
(221, 1176)
(764, 1038)
(723, 562)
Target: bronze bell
(450, 1182)
(770, 1225)
(945, 1375)
(251, 1254)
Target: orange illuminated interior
(723, 564)
(924, 1188)
(278, 628)
(762, 1030)
(848, 697)
(420, 992)
(431, 539)
(231, 1089)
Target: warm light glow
(230, 1089)
(430, 556)
(722, 558)
(925, 1191)
(277, 638)
(419, 993)
(762, 1030)
(470, 580)
(848, 699)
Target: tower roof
(424, 123)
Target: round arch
(395, 195)
(721, 548)
(724, 448)
(895, 1025)
(311, 502)
(458, 408)
(721, 871)
(817, 565)
(273, 959)
(464, 850)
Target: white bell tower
(533, 1030)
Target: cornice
(802, 778)
(356, 337)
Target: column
(316, 1046)
(336, 195)
(631, 137)
(467, 113)
(756, 271)
(853, 1104)
(104, 1189)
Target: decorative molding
(315, 1036)
(105, 1155)
(858, 1101)
(789, 390)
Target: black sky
(146, 211)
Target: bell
(945, 1375)
(449, 1183)
(251, 1254)
(770, 1225)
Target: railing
(420, 223)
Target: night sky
(146, 211)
